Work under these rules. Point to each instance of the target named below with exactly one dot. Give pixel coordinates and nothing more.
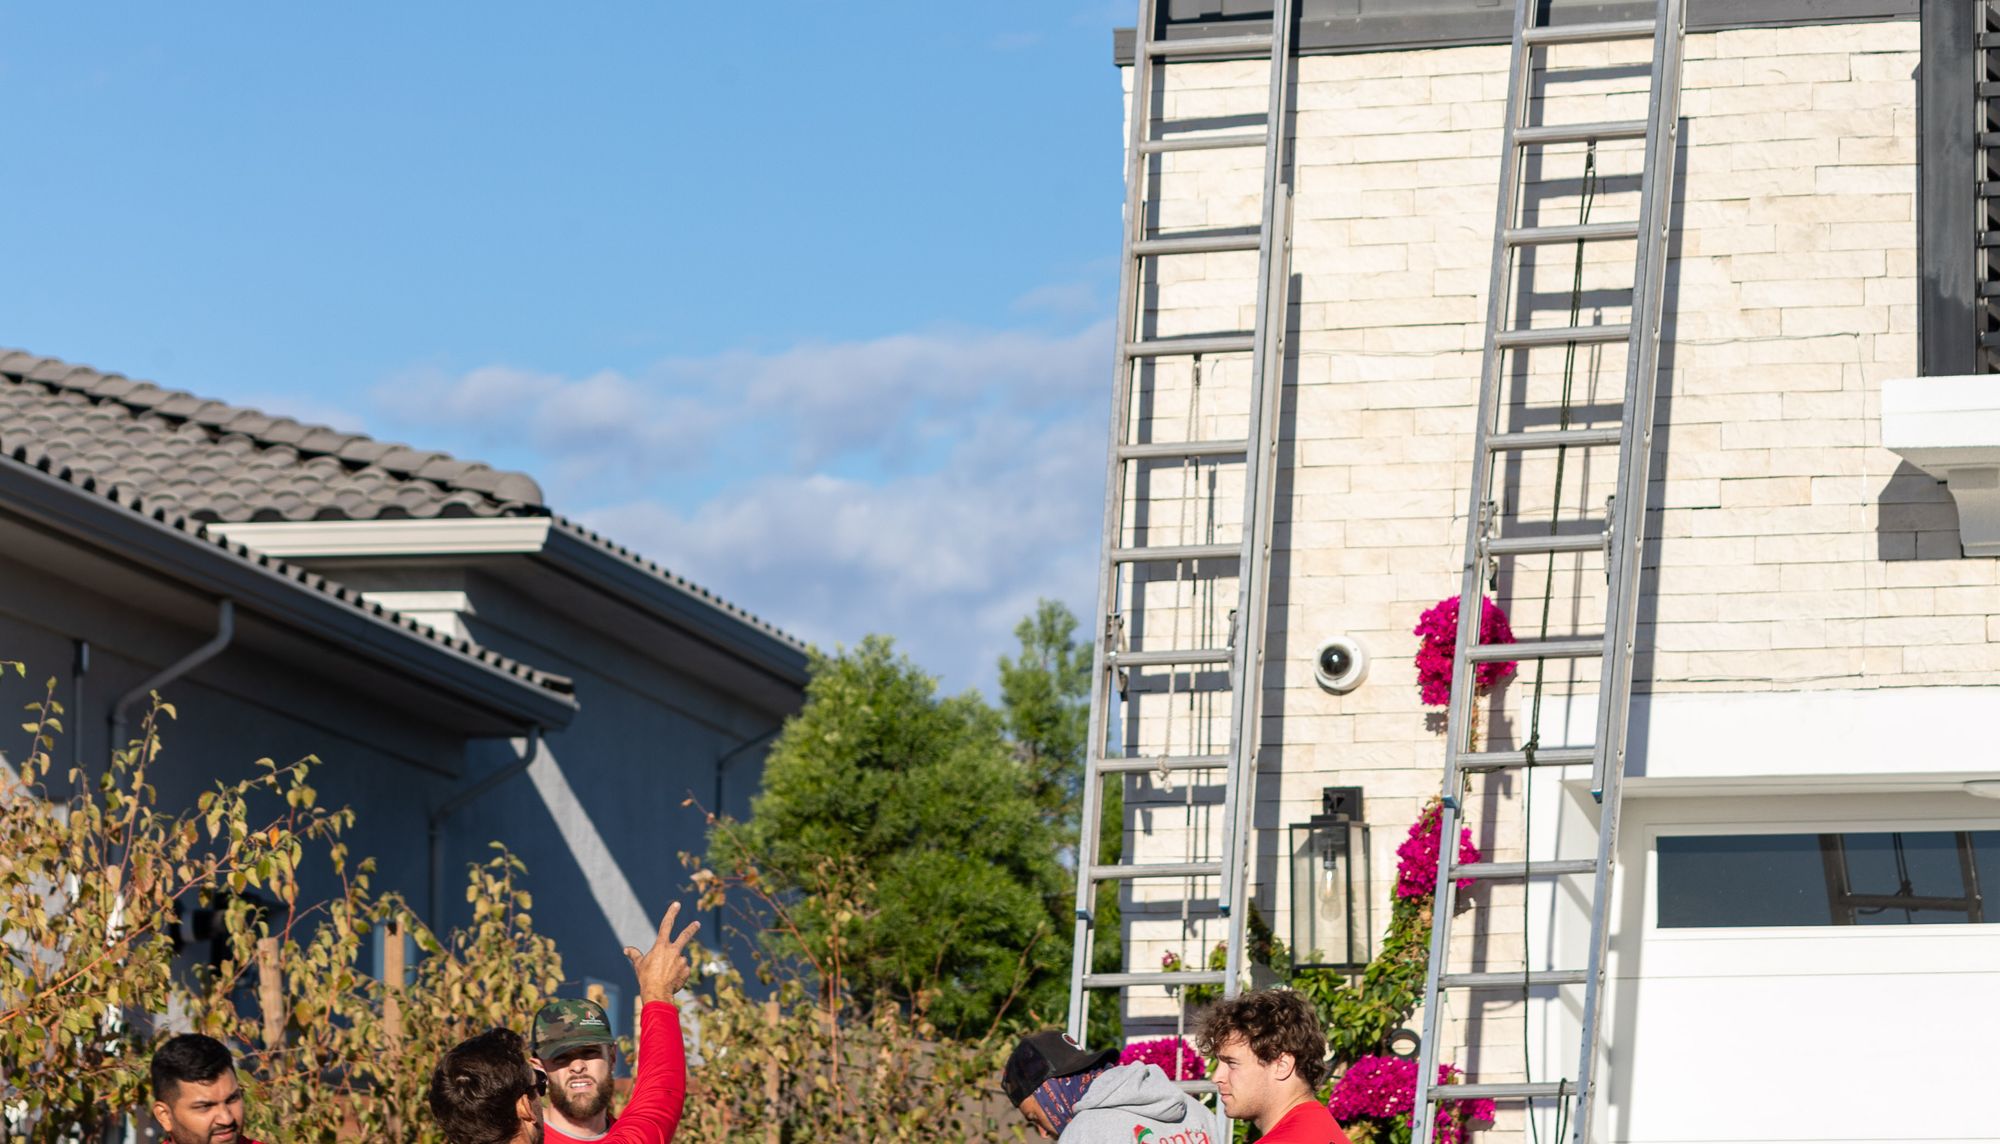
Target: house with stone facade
(468, 664)
(1801, 943)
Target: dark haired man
(1270, 1055)
(573, 1046)
(1082, 1096)
(483, 1090)
(196, 1099)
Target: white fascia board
(453, 536)
(1736, 742)
(1950, 428)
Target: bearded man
(573, 1046)
(484, 1091)
(196, 1099)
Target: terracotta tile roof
(214, 461)
(28, 454)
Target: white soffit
(1950, 428)
(1905, 738)
(454, 536)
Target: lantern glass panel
(1332, 913)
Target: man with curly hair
(1270, 1057)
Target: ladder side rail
(1267, 372)
(1101, 691)
(1635, 460)
(1641, 391)
(1520, 69)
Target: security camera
(1340, 664)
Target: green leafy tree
(920, 795)
(1045, 699)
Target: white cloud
(928, 486)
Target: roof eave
(704, 618)
(174, 551)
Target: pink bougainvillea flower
(1385, 1089)
(1417, 857)
(1174, 1055)
(1438, 631)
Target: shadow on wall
(1915, 517)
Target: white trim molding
(1950, 428)
(445, 611)
(451, 536)
(1741, 742)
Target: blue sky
(810, 302)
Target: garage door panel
(1763, 1058)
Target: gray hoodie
(1137, 1104)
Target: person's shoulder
(1309, 1123)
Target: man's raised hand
(664, 968)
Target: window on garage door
(1879, 878)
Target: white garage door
(1807, 968)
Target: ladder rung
(1504, 871)
(1549, 134)
(1502, 1091)
(1553, 439)
(1989, 238)
(1537, 649)
(1158, 762)
(1209, 46)
(1164, 552)
(1988, 189)
(1586, 232)
(1588, 33)
(1989, 138)
(1989, 289)
(1512, 980)
(1122, 980)
(1170, 658)
(1533, 545)
(1544, 757)
(1200, 143)
(1989, 341)
(1156, 870)
(1196, 244)
(1561, 335)
(1988, 89)
(1174, 450)
(1989, 39)
(1200, 344)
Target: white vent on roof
(1950, 428)
(445, 611)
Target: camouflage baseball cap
(566, 1026)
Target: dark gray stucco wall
(648, 739)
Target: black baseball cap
(1040, 1056)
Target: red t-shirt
(659, 1085)
(1309, 1123)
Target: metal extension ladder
(1986, 92)
(1130, 611)
(1489, 540)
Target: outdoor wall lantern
(1333, 918)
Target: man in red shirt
(196, 1099)
(1270, 1056)
(483, 1090)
